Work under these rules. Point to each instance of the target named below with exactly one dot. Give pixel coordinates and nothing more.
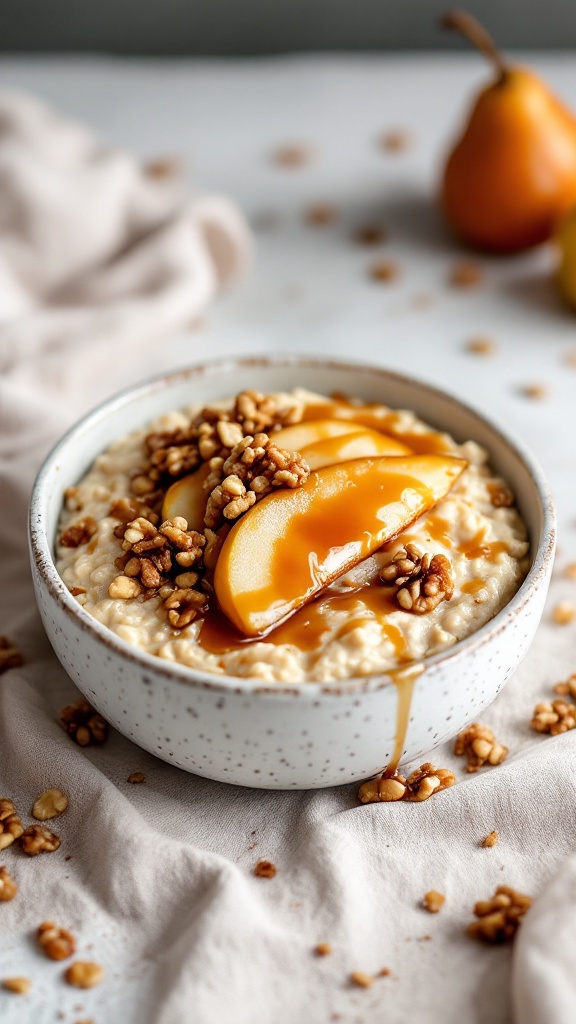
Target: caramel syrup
(404, 680)
(478, 547)
(377, 417)
(474, 586)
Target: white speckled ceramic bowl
(279, 736)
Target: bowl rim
(44, 563)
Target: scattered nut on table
(480, 746)
(10, 656)
(8, 887)
(11, 826)
(433, 901)
(58, 943)
(84, 974)
(499, 917)
(423, 783)
(83, 724)
(52, 803)
(265, 869)
(19, 986)
(490, 840)
(39, 839)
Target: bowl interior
(74, 454)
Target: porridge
(291, 537)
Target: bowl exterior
(277, 736)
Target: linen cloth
(159, 886)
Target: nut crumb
(84, 974)
(20, 986)
(491, 839)
(433, 901)
(8, 887)
(395, 141)
(564, 613)
(83, 724)
(57, 943)
(11, 827)
(320, 215)
(480, 746)
(423, 783)
(10, 656)
(292, 156)
(323, 949)
(39, 839)
(466, 274)
(499, 917)
(534, 391)
(370, 234)
(49, 805)
(136, 777)
(384, 270)
(361, 979)
(481, 347)
(265, 869)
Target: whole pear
(512, 175)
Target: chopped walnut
(83, 724)
(423, 783)
(8, 887)
(395, 141)
(361, 979)
(57, 943)
(554, 717)
(78, 533)
(481, 347)
(11, 827)
(255, 466)
(292, 156)
(128, 509)
(466, 274)
(370, 234)
(184, 605)
(49, 805)
(39, 839)
(499, 917)
(265, 869)
(567, 689)
(490, 840)
(384, 270)
(136, 778)
(10, 656)
(570, 571)
(423, 581)
(19, 986)
(321, 214)
(433, 901)
(535, 391)
(84, 974)
(480, 746)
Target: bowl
(282, 736)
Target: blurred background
(252, 27)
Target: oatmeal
(158, 521)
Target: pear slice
(187, 498)
(294, 543)
(295, 438)
(360, 445)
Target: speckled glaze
(277, 736)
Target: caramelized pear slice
(294, 543)
(187, 498)
(377, 417)
(295, 438)
(361, 445)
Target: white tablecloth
(159, 888)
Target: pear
(293, 543)
(512, 175)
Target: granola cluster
(423, 783)
(499, 917)
(422, 580)
(480, 746)
(242, 464)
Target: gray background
(246, 27)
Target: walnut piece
(10, 656)
(19, 986)
(136, 778)
(83, 724)
(433, 901)
(384, 270)
(361, 979)
(500, 916)
(564, 613)
(490, 840)
(39, 839)
(423, 783)
(466, 274)
(84, 974)
(480, 746)
(11, 827)
(49, 805)
(8, 887)
(323, 949)
(554, 717)
(423, 581)
(567, 689)
(78, 533)
(57, 943)
(265, 869)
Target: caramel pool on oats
(292, 537)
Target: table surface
(310, 289)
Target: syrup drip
(404, 680)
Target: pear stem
(472, 30)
